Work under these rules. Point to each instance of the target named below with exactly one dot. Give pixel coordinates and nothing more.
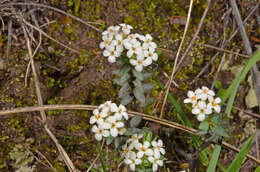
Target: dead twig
(223, 50)
(224, 45)
(194, 37)
(176, 58)
(54, 9)
(247, 46)
(44, 157)
(65, 157)
(46, 35)
(9, 42)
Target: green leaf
(124, 79)
(101, 156)
(126, 100)
(218, 85)
(232, 90)
(135, 121)
(109, 140)
(147, 75)
(124, 90)
(116, 72)
(237, 162)
(214, 159)
(137, 83)
(204, 126)
(257, 169)
(218, 130)
(147, 87)
(138, 75)
(148, 137)
(132, 131)
(119, 141)
(139, 95)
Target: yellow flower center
(139, 62)
(148, 41)
(193, 98)
(202, 111)
(112, 53)
(205, 91)
(97, 116)
(113, 125)
(143, 149)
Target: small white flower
(155, 162)
(121, 131)
(158, 148)
(99, 132)
(121, 112)
(105, 107)
(111, 53)
(106, 42)
(97, 117)
(148, 44)
(118, 42)
(214, 103)
(131, 39)
(192, 97)
(143, 149)
(113, 30)
(151, 54)
(126, 28)
(133, 48)
(139, 63)
(126, 151)
(113, 107)
(201, 117)
(132, 161)
(204, 93)
(134, 140)
(114, 126)
(201, 109)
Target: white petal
(105, 133)
(119, 124)
(129, 53)
(154, 143)
(146, 144)
(98, 137)
(155, 167)
(217, 108)
(162, 151)
(114, 132)
(112, 59)
(118, 116)
(210, 92)
(187, 101)
(217, 100)
(208, 111)
(106, 53)
(138, 161)
(202, 105)
(198, 91)
(132, 167)
(111, 119)
(151, 159)
(155, 57)
(113, 107)
(125, 115)
(140, 154)
(133, 62)
(203, 96)
(201, 117)
(190, 94)
(106, 125)
(160, 162)
(94, 129)
(147, 62)
(139, 68)
(92, 120)
(195, 111)
(149, 152)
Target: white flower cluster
(136, 152)
(203, 102)
(108, 119)
(140, 49)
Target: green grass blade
(237, 162)
(257, 169)
(232, 90)
(101, 157)
(185, 121)
(214, 159)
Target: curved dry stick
(63, 153)
(45, 34)
(54, 9)
(131, 113)
(176, 58)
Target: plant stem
(101, 157)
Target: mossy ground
(66, 77)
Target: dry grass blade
(176, 58)
(52, 8)
(46, 35)
(65, 157)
